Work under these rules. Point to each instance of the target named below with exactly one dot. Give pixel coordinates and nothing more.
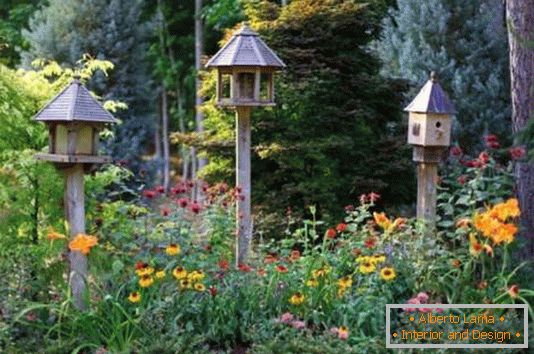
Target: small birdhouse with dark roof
(74, 119)
(245, 68)
(430, 116)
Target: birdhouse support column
(427, 159)
(75, 212)
(243, 213)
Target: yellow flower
(341, 291)
(185, 284)
(173, 249)
(505, 233)
(196, 275)
(312, 283)
(179, 273)
(387, 273)
(53, 235)
(296, 299)
(145, 270)
(83, 243)
(367, 267)
(199, 287)
(475, 247)
(160, 274)
(321, 272)
(145, 281)
(377, 258)
(382, 220)
(345, 282)
(508, 209)
(342, 332)
(363, 259)
(134, 297)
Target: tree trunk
(199, 48)
(520, 19)
(165, 138)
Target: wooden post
(427, 177)
(243, 215)
(75, 212)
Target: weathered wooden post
(74, 119)
(245, 69)
(429, 130)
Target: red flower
(295, 255)
(165, 211)
(224, 265)
(281, 268)
(195, 208)
(491, 138)
(244, 267)
(261, 272)
(149, 193)
(484, 157)
(493, 145)
(213, 291)
(517, 152)
(331, 233)
(373, 197)
(456, 151)
(190, 184)
(182, 202)
(140, 265)
(370, 242)
(341, 227)
(160, 189)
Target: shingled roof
(431, 99)
(245, 48)
(74, 103)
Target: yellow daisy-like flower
(345, 282)
(134, 297)
(387, 273)
(173, 249)
(147, 270)
(312, 283)
(83, 243)
(145, 281)
(196, 275)
(160, 274)
(366, 268)
(185, 284)
(378, 258)
(199, 287)
(297, 299)
(53, 235)
(179, 273)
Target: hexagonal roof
(74, 103)
(245, 48)
(431, 99)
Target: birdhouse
(430, 116)
(74, 120)
(245, 70)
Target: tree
(111, 29)
(336, 131)
(14, 15)
(464, 42)
(520, 16)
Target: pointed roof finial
(433, 76)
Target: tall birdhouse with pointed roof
(430, 116)
(74, 119)
(245, 68)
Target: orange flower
(331, 233)
(382, 220)
(83, 243)
(53, 235)
(456, 263)
(295, 255)
(269, 259)
(463, 223)
(281, 268)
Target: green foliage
(466, 44)
(336, 130)
(14, 15)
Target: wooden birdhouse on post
(429, 130)
(74, 119)
(245, 79)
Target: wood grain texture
(427, 177)
(243, 207)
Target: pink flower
(373, 197)
(298, 324)
(456, 151)
(160, 189)
(413, 301)
(165, 211)
(149, 193)
(286, 317)
(517, 152)
(484, 157)
(422, 297)
(333, 330)
(182, 202)
(195, 207)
